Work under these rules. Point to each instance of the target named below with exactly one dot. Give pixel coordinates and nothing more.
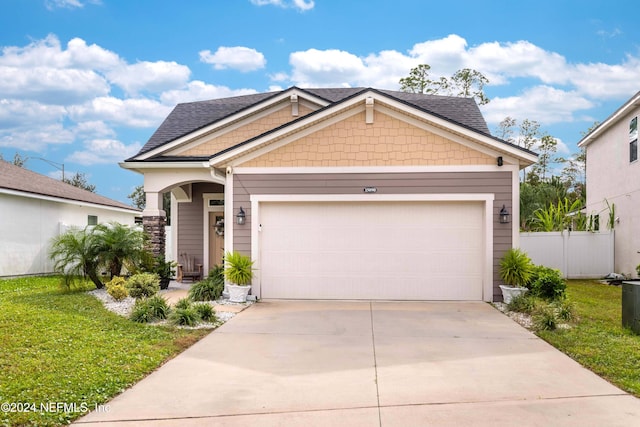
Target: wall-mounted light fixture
(241, 217)
(499, 160)
(504, 215)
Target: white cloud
(279, 77)
(50, 85)
(93, 128)
(37, 138)
(15, 113)
(68, 4)
(103, 151)
(325, 68)
(139, 112)
(199, 91)
(237, 57)
(49, 53)
(544, 104)
(302, 5)
(607, 81)
(149, 76)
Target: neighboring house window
(92, 220)
(633, 140)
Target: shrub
(141, 312)
(117, 280)
(515, 268)
(184, 316)
(548, 283)
(158, 306)
(183, 303)
(522, 304)
(545, 319)
(116, 288)
(143, 285)
(206, 312)
(209, 289)
(149, 309)
(564, 310)
(117, 292)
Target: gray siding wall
(190, 222)
(498, 183)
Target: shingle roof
(19, 179)
(189, 117)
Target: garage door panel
(372, 250)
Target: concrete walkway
(290, 363)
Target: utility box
(631, 305)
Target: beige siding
(498, 183)
(190, 222)
(248, 131)
(386, 142)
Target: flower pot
(164, 282)
(510, 292)
(238, 293)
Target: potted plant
(238, 272)
(164, 269)
(515, 271)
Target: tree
(505, 129)
(547, 146)
(574, 173)
(18, 159)
(418, 81)
(117, 244)
(465, 82)
(75, 253)
(137, 197)
(468, 83)
(529, 133)
(80, 180)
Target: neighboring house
(613, 179)
(35, 208)
(348, 193)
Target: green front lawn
(62, 352)
(597, 339)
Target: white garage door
(372, 250)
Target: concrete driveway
(317, 363)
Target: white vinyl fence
(577, 254)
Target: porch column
(153, 221)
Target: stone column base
(154, 227)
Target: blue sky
(86, 82)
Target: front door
(216, 238)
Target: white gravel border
(124, 307)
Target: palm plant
(75, 253)
(238, 268)
(119, 244)
(516, 268)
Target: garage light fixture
(241, 217)
(504, 215)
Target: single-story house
(613, 181)
(339, 193)
(35, 208)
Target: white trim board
(375, 169)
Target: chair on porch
(189, 269)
